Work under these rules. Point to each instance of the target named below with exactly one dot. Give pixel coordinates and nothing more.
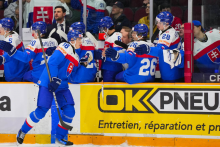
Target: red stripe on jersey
(90, 7)
(20, 45)
(39, 50)
(71, 59)
(207, 49)
(144, 56)
(99, 10)
(62, 127)
(28, 124)
(88, 48)
(177, 41)
(108, 43)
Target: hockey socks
(34, 118)
(67, 117)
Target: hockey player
(33, 51)
(61, 63)
(168, 49)
(206, 49)
(95, 12)
(109, 68)
(141, 68)
(14, 69)
(86, 71)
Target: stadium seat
(174, 2)
(129, 13)
(136, 3)
(1, 14)
(196, 14)
(139, 14)
(177, 11)
(106, 13)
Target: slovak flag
(214, 55)
(69, 69)
(41, 10)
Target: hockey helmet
(7, 24)
(105, 23)
(79, 26)
(73, 35)
(165, 17)
(39, 25)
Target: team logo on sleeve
(69, 69)
(214, 55)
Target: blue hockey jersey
(61, 64)
(13, 68)
(169, 41)
(141, 68)
(34, 51)
(108, 64)
(95, 12)
(85, 74)
(207, 54)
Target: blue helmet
(79, 26)
(7, 23)
(41, 25)
(74, 34)
(106, 22)
(165, 16)
(141, 29)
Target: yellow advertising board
(150, 109)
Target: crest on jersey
(214, 55)
(69, 69)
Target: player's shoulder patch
(65, 48)
(33, 44)
(132, 46)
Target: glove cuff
(57, 80)
(12, 51)
(116, 57)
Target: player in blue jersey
(86, 71)
(14, 69)
(61, 64)
(141, 68)
(168, 49)
(109, 68)
(34, 51)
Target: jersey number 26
(144, 70)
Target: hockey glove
(98, 54)
(54, 84)
(111, 53)
(50, 50)
(7, 47)
(2, 60)
(85, 60)
(142, 49)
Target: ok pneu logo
(123, 100)
(163, 100)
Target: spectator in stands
(145, 2)
(146, 19)
(15, 18)
(119, 18)
(181, 34)
(74, 15)
(61, 24)
(1, 4)
(177, 22)
(10, 10)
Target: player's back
(141, 68)
(61, 64)
(109, 64)
(13, 68)
(38, 60)
(207, 54)
(85, 74)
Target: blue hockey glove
(2, 60)
(98, 54)
(85, 60)
(54, 84)
(111, 53)
(142, 49)
(7, 47)
(50, 50)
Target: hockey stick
(92, 38)
(54, 95)
(62, 34)
(51, 32)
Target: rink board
(113, 113)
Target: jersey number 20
(144, 70)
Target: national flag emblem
(69, 69)
(43, 13)
(214, 55)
